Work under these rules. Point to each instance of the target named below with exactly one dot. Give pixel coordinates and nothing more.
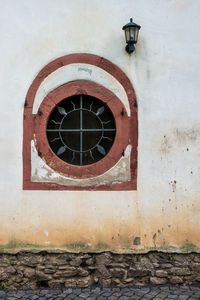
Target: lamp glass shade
(131, 34)
(127, 35)
(136, 34)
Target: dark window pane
(81, 130)
(71, 140)
(91, 139)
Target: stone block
(10, 270)
(156, 280)
(84, 282)
(105, 282)
(180, 271)
(138, 272)
(29, 272)
(42, 276)
(161, 273)
(176, 280)
(55, 283)
(77, 261)
(104, 272)
(82, 272)
(67, 272)
(71, 282)
(103, 259)
(118, 273)
(89, 261)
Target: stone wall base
(29, 269)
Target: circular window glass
(81, 130)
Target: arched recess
(31, 121)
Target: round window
(81, 130)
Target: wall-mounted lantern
(131, 34)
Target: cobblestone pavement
(115, 293)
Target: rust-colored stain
(85, 231)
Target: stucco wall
(164, 212)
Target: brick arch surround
(30, 122)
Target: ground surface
(115, 293)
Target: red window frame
(35, 126)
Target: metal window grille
(81, 130)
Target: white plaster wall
(165, 71)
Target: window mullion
(81, 127)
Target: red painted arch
(32, 129)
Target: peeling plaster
(41, 172)
(85, 70)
